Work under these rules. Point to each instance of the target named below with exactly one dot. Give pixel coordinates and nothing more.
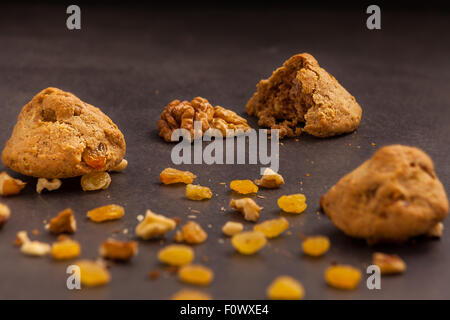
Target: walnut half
(182, 114)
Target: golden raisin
(95, 181)
(249, 242)
(118, 250)
(231, 228)
(294, 203)
(196, 274)
(64, 222)
(243, 186)
(171, 175)
(106, 213)
(272, 228)
(193, 233)
(389, 263)
(270, 179)
(65, 249)
(343, 277)
(315, 246)
(176, 255)
(247, 207)
(196, 192)
(93, 273)
(285, 288)
(95, 158)
(186, 294)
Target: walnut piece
(182, 114)
(436, 231)
(121, 166)
(21, 238)
(31, 248)
(193, 233)
(118, 250)
(154, 225)
(389, 263)
(10, 186)
(64, 222)
(231, 228)
(270, 179)
(5, 213)
(247, 207)
(50, 185)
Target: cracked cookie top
(59, 136)
(301, 93)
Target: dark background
(131, 61)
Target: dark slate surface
(132, 62)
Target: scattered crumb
(172, 269)
(125, 231)
(177, 220)
(308, 175)
(221, 241)
(195, 211)
(260, 196)
(373, 144)
(140, 217)
(223, 209)
(210, 226)
(154, 274)
(35, 232)
(191, 216)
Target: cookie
(393, 196)
(302, 93)
(59, 136)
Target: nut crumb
(389, 263)
(270, 179)
(5, 214)
(64, 222)
(154, 274)
(118, 250)
(50, 185)
(10, 186)
(436, 231)
(193, 233)
(154, 225)
(247, 207)
(121, 166)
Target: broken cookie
(393, 196)
(182, 114)
(59, 136)
(301, 92)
